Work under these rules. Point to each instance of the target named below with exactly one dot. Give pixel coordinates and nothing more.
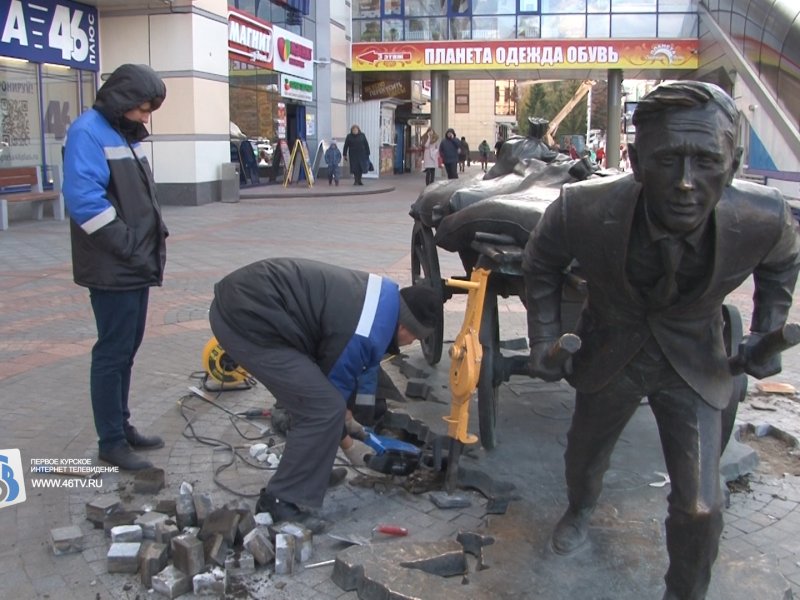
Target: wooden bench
(24, 184)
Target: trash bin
(229, 182)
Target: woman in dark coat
(356, 151)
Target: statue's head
(685, 152)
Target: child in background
(333, 156)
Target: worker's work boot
(571, 531)
(121, 455)
(140, 441)
(283, 511)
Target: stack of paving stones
(188, 545)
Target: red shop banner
(250, 40)
(464, 55)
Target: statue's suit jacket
(591, 221)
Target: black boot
(338, 475)
(282, 511)
(572, 531)
(140, 441)
(121, 455)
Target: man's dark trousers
(120, 317)
(317, 409)
(690, 432)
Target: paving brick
(148, 522)
(187, 554)
(66, 540)
(215, 550)
(259, 545)
(240, 563)
(100, 507)
(284, 554)
(209, 584)
(171, 582)
(223, 521)
(152, 560)
(185, 512)
(149, 481)
(126, 533)
(202, 506)
(123, 557)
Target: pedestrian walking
(356, 152)
(483, 150)
(463, 154)
(333, 156)
(430, 155)
(449, 152)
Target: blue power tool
(392, 456)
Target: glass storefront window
(88, 90)
(426, 29)
(633, 26)
(393, 7)
(424, 8)
(392, 30)
(563, 6)
(625, 6)
(254, 101)
(598, 26)
(493, 28)
(495, 7)
(366, 8)
(563, 26)
(19, 111)
(528, 5)
(528, 27)
(367, 31)
(677, 5)
(460, 28)
(677, 26)
(60, 95)
(598, 6)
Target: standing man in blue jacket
(314, 334)
(118, 244)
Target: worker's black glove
(772, 366)
(540, 366)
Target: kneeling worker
(314, 334)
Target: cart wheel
(425, 269)
(489, 381)
(732, 334)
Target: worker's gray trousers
(690, 432)
(317, 409)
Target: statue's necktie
(667, 287)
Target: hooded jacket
(449, 147)
(344, 320)
(118, 235)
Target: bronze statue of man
(660, 248)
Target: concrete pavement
(47, 333)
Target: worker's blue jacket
(118, 235)
(345, 320)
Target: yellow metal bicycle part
(465, 356)
(220, 366)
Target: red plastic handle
(395, 530)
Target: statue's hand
(539, 365)
(771, 366)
